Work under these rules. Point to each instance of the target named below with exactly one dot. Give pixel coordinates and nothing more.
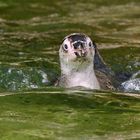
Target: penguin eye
(90, 44)
(65, 47)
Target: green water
(30, 34)
(75, 115)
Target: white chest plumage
(81, 77)
(85, 80)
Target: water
(30, 35)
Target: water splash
(19, 78)
(132, 85)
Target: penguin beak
(80, 50)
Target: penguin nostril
(75, 47)
(77, 54)
(82, 46)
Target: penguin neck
(80, 75)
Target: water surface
(30, 34)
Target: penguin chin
(81, 60)
(86, 58)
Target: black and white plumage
(82, 65)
